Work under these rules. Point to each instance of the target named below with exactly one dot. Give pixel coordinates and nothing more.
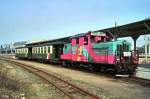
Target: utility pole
(148, 46)
(146, 43)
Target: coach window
(38, 49)
(32, 50)
(35, 50)
(48, 49)
(44, 49)
(51, 49)
(41, 50)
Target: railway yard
(90, 65)
(74, 49)
(51, 81)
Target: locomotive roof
(78, 35)
(135, 28)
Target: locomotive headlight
(118, 59)
(127, 54)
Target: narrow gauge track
(69, 90)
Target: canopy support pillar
(135, 37)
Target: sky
(22, 20)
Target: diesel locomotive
(97, 51)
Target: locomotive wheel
(92, 68)
(64, 64)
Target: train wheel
(64, 64)
(92, 68)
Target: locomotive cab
(126, 59)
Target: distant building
(10, 48)
(6, 49)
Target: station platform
(143, 71)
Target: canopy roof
(50, 42)
(131, 29)
(134, 30)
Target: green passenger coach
(22, 52)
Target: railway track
(69, 90)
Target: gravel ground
(105, 87)
(32, 86)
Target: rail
(70, 90)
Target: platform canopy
(134, 29)
(57, 41)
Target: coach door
(57, 50)
(30, 52)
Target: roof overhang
(50, 42)
(131, 29)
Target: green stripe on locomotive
(109, 47)
(68, 47)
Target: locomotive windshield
(124, 47)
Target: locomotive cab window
(85, 40)
(77, 40)
(65, 47)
